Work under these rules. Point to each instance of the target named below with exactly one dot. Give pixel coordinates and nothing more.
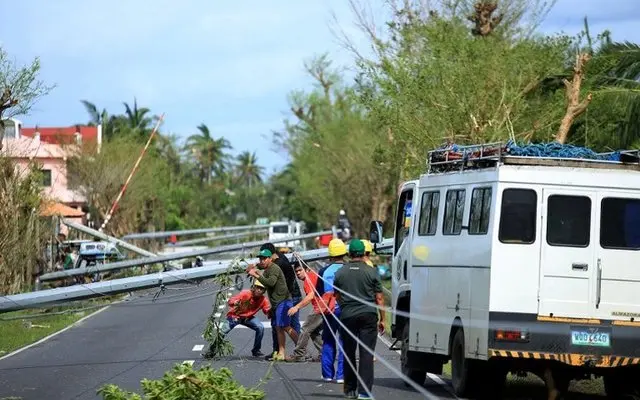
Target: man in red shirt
(243, 309)
(313, 324)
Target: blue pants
(295, 324)
(251, 323)
(330, 348)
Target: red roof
(62, 135)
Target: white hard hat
(342, 212)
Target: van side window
(568, 221)
(518, 213)
(453, 212)
(620, 223)
(429, 213)
(480, 211)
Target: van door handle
(599, 285)
(580, 267)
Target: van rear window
(620, 223)
(518, 216)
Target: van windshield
(280, 229)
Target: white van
(285, 229)
(519, 263)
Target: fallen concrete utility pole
(107, 288)
(211, 239)
(168, 257)
(159, 235)
(108, 238)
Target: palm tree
(137, 118)
(103, 118)
(248, 170)
(209, 153)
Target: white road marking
(265, 324)
(198, 347)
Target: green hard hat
(356, 247)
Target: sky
(229, 65)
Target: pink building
(45, 146)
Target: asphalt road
(139, 339)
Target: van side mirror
(376, 232)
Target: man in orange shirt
(243, 309)
(313, 324)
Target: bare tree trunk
(575, 107)
(1, 132)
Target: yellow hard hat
(337, 248)
(368, 247)
(258, 283)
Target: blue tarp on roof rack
(558, 150)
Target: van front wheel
(414, 375)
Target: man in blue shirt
(331, 310)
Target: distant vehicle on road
(279, 230)
(509, 262)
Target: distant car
(99, 252)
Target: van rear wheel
(414, 375)
(464, 376)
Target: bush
(22, 231)
(183, 382)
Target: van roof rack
(452, 157)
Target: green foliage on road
(219, 345)
(184, 382)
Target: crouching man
(243, 309)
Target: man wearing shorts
(274, 281)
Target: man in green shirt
(360, 320)
(275, 282)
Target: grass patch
(21, 328)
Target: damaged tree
(20, 88)
(483, 18)
(575, 107)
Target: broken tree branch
(575, 107)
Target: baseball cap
(265, 253)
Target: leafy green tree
(333, 144)
(20, 88)
(462, 73)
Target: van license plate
(581, 338)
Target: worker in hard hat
(331, 311)
(359, 317)
(368, 248)
(243, 308)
